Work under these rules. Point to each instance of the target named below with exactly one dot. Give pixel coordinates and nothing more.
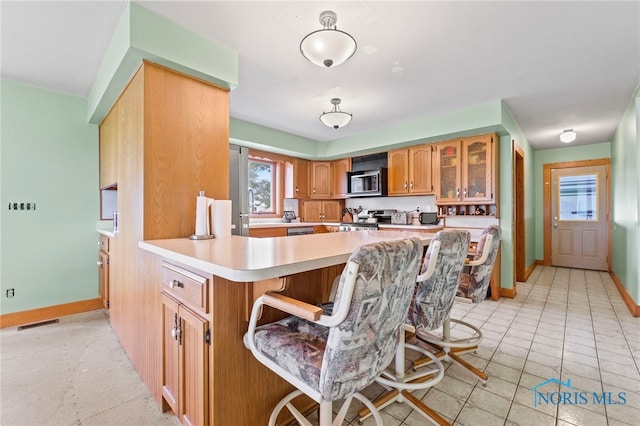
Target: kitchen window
(262, 186)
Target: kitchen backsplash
(291, 204)
(427, 203)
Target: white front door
(579, 232)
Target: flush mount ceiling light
(329, 46)
(568, 136)
(335, 118)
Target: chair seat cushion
(296, 345)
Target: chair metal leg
(326, 414)
(449, 350)
(401, 385)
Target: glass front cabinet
(463, 174)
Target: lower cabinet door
(194, 407)
(185, 362)
(170, 355)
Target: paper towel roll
(221, 212)
(202, 215)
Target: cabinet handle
(405, 184)
(100, 243)
(465, 192)
(176, 331)
(314, 190)
(411, 185)
(175, 283)
(100, 263)
(297, 190)
(457, 192)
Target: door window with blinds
(578, 197)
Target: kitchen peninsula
(207, 289)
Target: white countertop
(380, 225)
(434, 228)
(257, 225)
(107, 232)
(252, 259)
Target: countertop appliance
(288, 216)
(427, 218)
(401, 218)
(371, 183)
(304, 230)
(357, 226)
(382, 216)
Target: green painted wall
(515, 137)
(252, 135)
(559, 155)
(485, 118)
(142, 34)
(49, 156)
(625, 161)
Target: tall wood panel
(171, 131)
(108, 149)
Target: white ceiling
(556, 65)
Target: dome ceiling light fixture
(568, 136)
(335, 118)
(329, 46)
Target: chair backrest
(474, 280)
(434, 297)
(363, 345)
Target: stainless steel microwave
(371, 183)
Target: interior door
(579, 217)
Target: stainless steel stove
(357, 226)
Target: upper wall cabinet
(410, 171)
(329, 178)
(108, 149)
(339, 170)
(297, 178)
(320, 179)
(464, 170)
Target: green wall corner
(144, 35)
(49, 156)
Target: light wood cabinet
(186, 340)
(297, 178)
(409, 171)
(332, 211)
(321, 211)
(339, 169)
(465, 173)
(103, 269)
(185, 384)
(320, 179)
(108, 149)
(447, 171)
(268, 232)
(171, 131)
(477, 167)
(329, 178)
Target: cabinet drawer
(103, 243)
(186, 287)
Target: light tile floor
(566, 324)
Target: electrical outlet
(11, 292)
(22, 206)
